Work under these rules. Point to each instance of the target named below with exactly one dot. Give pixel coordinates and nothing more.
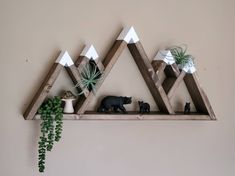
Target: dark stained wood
(171, 91)
(173, 76)
(108, 63)
(43, 91)
(158, 66)
(113, 54)
(148, 72)
(134, 116)
(82, 103)
(100, 66)
(196, 92)
(162, 93)
(172, 70)
(168, 83)
(76, 77)
(198, 96)
(82, 60)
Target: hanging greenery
(90, 75)
(51, 128)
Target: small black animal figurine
(144, 107)
(114, 103)
(187, 108)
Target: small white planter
(68, 107)
(189, 67)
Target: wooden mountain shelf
(162, 92)
(133, 116)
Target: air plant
(90, 75)
(180, 56)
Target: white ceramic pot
(68, 107)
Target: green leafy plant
(180, 55)
(51, 128)
(90, 75)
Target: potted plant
(183, 60)
(68, 97)
(51, 128)
(180, 56)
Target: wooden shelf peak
(161, 92)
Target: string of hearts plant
(51, 115)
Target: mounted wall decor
(164, 62)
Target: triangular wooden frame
(63, 60)
(150, 72)
(174, 77)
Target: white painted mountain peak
(166, 56)
(90, 52)
(64, 59)
(129, 35)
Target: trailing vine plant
(51, 115)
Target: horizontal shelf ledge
(133, 116)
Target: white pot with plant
(68, 98)
(184, 61)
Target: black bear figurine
(144, 107)
(114, 103)
(187, 108)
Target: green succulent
(90, 76)
(180, 56)
(51, 115)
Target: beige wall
(31, 34)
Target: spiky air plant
(90, 75)
(180, 55)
